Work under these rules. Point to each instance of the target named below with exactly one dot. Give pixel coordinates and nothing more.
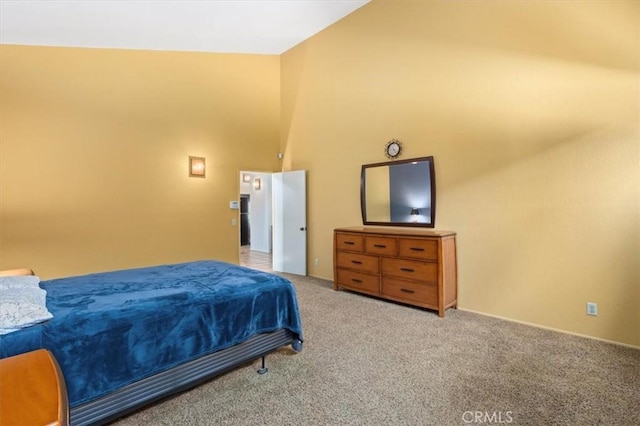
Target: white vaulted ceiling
(229, 26)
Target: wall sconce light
(196, 167)
(246, 177)
(257, 184)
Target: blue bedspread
(112, 329)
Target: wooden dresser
(408, 265)
(32, 391)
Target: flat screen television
(399, 193)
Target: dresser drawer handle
(407, 270)
(355, 280)
(380, 246)
(417, 249)
(357, 262)
(349, 243)
(406, 290)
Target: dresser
(408, 265)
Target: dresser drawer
(349, 242)
(410, 269)
(358, 281)
(418, 248)
(360, 262)
(380, 245)
(412, 292)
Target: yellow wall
(377, 194)
(531, 110)
(94, 148)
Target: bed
(124, 339)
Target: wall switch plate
(317, 262)
(234, 221)
(592, 308)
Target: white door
(290, 222)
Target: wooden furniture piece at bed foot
(409, 265)
(32, 391)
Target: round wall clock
(393, 149)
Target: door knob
(303, 228)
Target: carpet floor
(370, 362)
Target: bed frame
(177, 379)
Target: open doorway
(276, 214)
(255, 220)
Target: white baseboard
(613, 342)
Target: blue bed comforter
(111, 329)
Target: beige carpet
(371, 362)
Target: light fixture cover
(196, 167)
(246, 177)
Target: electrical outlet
(592, 308)
(317, 262)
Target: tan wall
(531, 111)
(94, 148)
